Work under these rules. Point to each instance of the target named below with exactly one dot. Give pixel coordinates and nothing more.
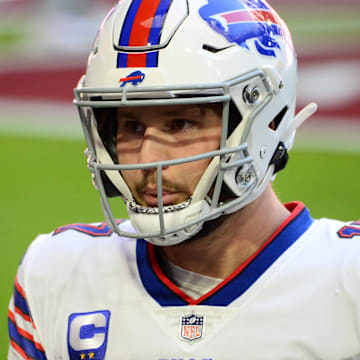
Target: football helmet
(235, 52)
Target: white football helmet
(235, 52)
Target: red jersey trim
(294, 207)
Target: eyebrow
(184, 110)
(180, 111)
(122, 114)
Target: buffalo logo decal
(242, 20)
(135, 78)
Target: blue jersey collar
(166, 293)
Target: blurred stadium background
(44, 182)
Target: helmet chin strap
(149, 223)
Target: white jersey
(83, 292)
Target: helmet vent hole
(214, 49)
(235, 117)
(209, 48)
(274, 124)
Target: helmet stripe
(155, 33)
(137, 32)
(158, 22)
(126, 30)
(141, 30)
(152, 59)
(128, 23)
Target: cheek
(125, 153)
(191, 173)
(131, 177)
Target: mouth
(151, 199)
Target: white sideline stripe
(40, 119)
(340, 147)
(330, 135)
(59, 121)
(326, 27)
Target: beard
(150, 180)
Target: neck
(229, 241)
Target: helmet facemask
(229, 166)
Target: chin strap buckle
(280, 157)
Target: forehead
(191, 110)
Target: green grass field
(45, 183)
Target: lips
(151, 199)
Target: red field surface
(328, 80)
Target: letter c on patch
(88, 331)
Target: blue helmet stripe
(158, 22)
(126, 31)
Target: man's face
(159, 133)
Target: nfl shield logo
(191, 327)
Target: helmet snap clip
(251, 96)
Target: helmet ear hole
(274, 124)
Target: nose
(155, 146)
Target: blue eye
(134, 127)
(181, 124)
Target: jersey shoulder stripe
(20, 303)
(350, 231)
(22, 330)
(23, 342)
(89, 229)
